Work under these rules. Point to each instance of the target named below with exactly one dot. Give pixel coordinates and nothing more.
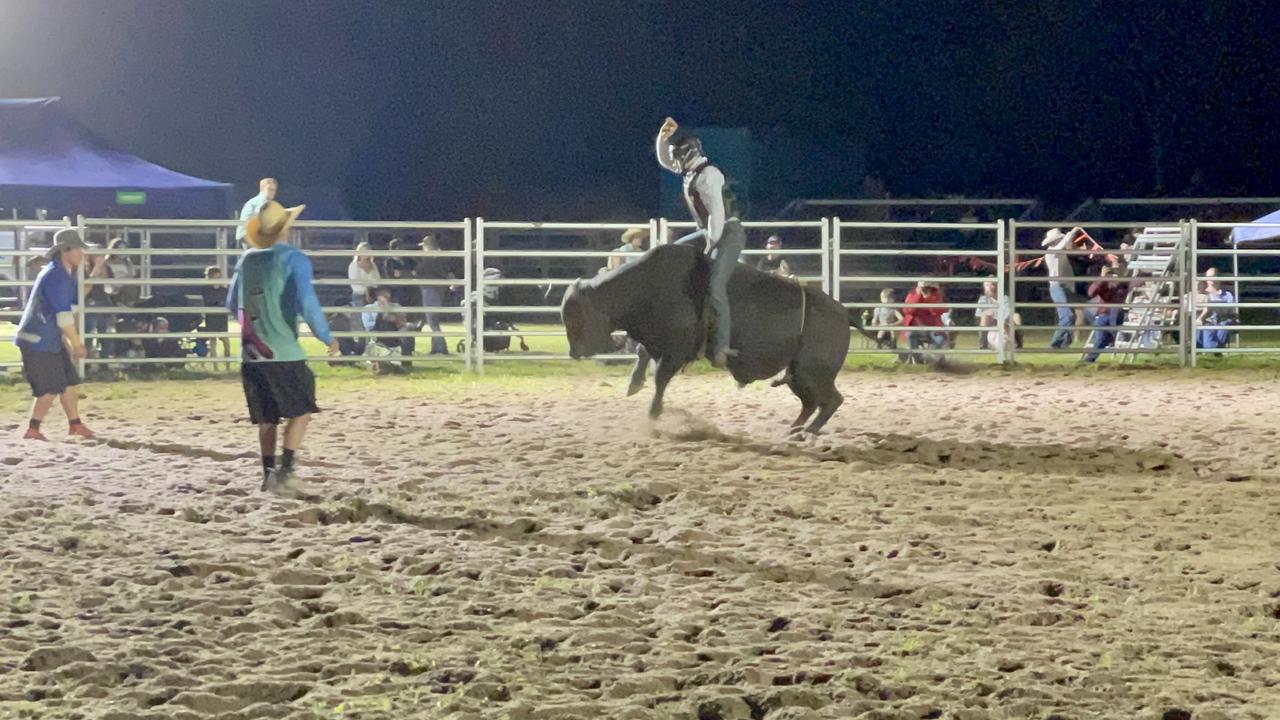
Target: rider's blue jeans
(724, 257)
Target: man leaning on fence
(47, 337)
(271, 290)
(267, 188)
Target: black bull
(659, 300)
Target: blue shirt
(54, 294)
(271, 290)
(250, 209)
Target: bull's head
(587, 327)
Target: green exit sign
(131, 197)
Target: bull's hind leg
(638, 372)
(666, 370)
(829, 401)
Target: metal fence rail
(845, 258)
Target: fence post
(477, 328)
(826, 255)
(1001, 297)
(146, 259)
(835, 258)
(81, 299)
(1181, 269)
(1192, 287)
(663, 230)
(1011, 240)
(655, 233)
(466, 290)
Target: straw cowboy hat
(271, 224)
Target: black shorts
(277, 390)
(49, 373)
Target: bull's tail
(855, 322)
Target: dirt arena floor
(997, 545)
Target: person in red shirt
(1106, 292)
(926, 292)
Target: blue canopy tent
(49, 160)
(1246, 234)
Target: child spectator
(1213, 339)
(886, 317)
(987, 314)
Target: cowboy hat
(65, 239)
(271, 224)
(1052, 237)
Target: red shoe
(34, 434)
(79, 430)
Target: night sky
(440, 109)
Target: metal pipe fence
(852, 261)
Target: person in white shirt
(1058, 265)
(886, 317)
(364, 276)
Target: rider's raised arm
(710, 188)
(662, 146)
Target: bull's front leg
(638, 372)
(667, 368)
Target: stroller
(493, 323)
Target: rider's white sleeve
(710, 188)
(663, 149)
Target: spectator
(632, 244)
(342, 323)
(120, 267)
(215, 296)
(1058, 265)
(267, 188)
(400, 267)
(1213, 339)
(364, 276)
(95, 296)
(434, 268)
(987, 314)
(926, 292)
(774, 264)
(1105, 292)
(162, 347)
(886, 317)
(47, 338)
(383, 316)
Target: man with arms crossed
(47, 336)
(271, 290)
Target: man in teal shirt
(266, 193)
(270, 292)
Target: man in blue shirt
(47, 336)
(270, 292)
(266, 193)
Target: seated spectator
(884, 318)
(775, 264)
(215, 296)
(343, 323)
(1105, 292)
(162, 347)
(1213, 339)
(382, 315)
(987, 314)
(364, 276)
(632, 244)
(926, 292)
